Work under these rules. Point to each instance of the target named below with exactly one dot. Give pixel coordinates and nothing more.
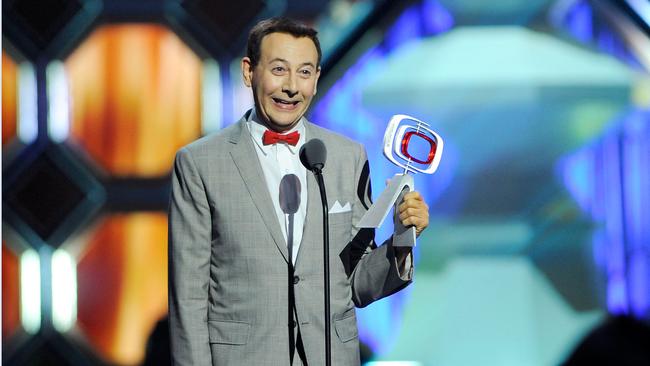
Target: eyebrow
(286, 62)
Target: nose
(289, 87)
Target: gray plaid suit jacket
(228, 262)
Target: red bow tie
(271, 137)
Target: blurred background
(540, 209)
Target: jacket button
(296, 279)
(292, 324)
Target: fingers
(412, 199)
(413, 211)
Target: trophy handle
(399, 185)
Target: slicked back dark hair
(278, 25)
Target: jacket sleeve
(189, 264)
(376, 272)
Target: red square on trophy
(410, 144)
(411, 149)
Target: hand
(414, 211)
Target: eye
(277, 69)
(305, 72)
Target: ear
(247, 71)
(316, 82)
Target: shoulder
(213, 144)
(337, 145)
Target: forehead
(284, 46)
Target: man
(246, 279)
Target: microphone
(313, 155)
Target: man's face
(284, 80)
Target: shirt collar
(257, 128)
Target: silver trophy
(403, 132)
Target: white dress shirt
(277, 160)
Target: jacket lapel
(312, 229)
(245, 158)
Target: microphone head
(290, 194)
(313, 155)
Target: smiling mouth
(285, 104)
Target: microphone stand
(326, 266)
(289, 199)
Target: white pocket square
(337, 208)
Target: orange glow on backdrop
(122, 285)
(10, 292)
(9, 98)
(135, 93)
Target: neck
(276, 128)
